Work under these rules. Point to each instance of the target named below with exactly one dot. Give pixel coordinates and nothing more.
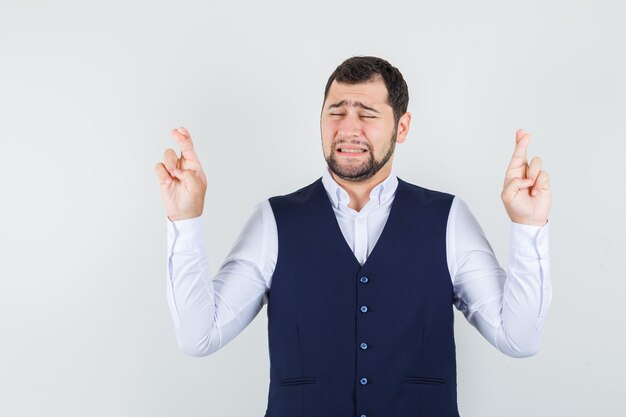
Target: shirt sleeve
(208, 312)
(508, 308)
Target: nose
(350, 126)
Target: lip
(351, 154)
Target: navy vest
(347, 340)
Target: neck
(359, 192)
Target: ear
(403, 127)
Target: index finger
(186, 145)
(519, 158)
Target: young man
(360, 269)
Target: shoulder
(424, 195)
(298, 197)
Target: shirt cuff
(531, 241)
(185, 235)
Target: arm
(208, 312)
(507, 308)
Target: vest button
(363, 345)
(363, 381)
(364, 279)
(363, 309)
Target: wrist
(175, 218)
(530, 222)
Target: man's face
(358, 129)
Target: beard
(365, 170)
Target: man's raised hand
(183, 183)
(526, 193)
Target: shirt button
(361, 221)
(363, 345)
(363, 309)
(363, 381)
(364, 279)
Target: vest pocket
(424, 380)
(298, 380)
(421, 396)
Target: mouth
(351, 151)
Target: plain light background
(90, 90)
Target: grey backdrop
(89, 92)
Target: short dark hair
(360, 69)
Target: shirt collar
(380, 193)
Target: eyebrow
(352, 103)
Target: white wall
(89, 92)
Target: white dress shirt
(507, 308)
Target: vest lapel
(328, 213)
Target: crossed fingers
(188, 159)
(520, 172)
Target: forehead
(372, 92)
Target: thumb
(189, 179)
(514, 186)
